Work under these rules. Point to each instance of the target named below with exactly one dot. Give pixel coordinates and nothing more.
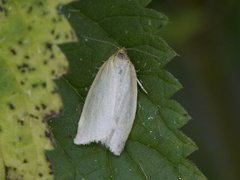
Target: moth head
(121, 54)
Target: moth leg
(140, 84)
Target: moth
(110, 106)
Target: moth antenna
(112, 44)
(140, 84)
(98, 40)
(143, 52)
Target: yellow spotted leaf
(29, 62)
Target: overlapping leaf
(29, 61)
(156, 148)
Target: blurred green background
(206, 35)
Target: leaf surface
(29, 62)
(156, 148)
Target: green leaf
(156, 148)
(29, 62)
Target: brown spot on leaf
(47, 134)
(33, 116)
(10, 106)
(50, 114)
(34, 85)
(66, 36)
(43, 106)
(54, 91)
(54, 20)
(7, 170)
(45, 62)
(49, 46)
(52, 56)
(53, 72)
(40, 3)
(4, 1)
(20, 121)
(53, 32)
(29, 28)
(57, 36)
(44, 84)
(30, 10)
(37, 108)
(20, 42)
(26, 57)
(13, 51)
(22, 83)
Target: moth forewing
(109, 110)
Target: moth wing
(125, 107)
(96, 121)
